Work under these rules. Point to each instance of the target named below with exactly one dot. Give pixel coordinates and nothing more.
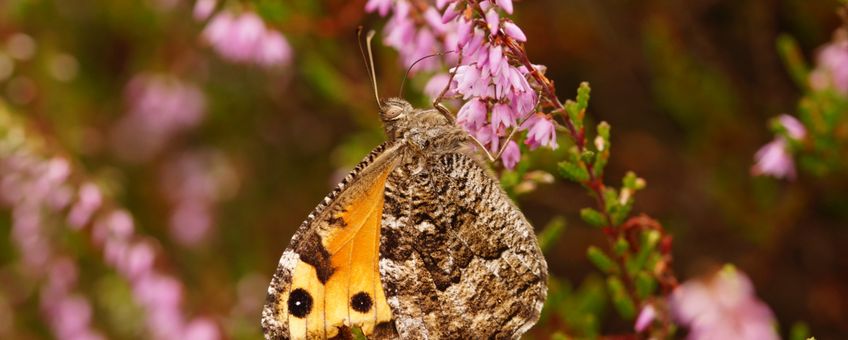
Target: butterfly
(419, 241)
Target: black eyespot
(361, 302)
(300, 303)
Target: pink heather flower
(493, 21)
(502, 117)
(722, 307)
(541, 131)
(773, 159)
(511, 155)
(793, 127)
(486, 136)
(505, 4)
(472, 115)
(203, 9)
(645, 318)
(513, 31)
(467, 79)
(450, 14)
(832, 68)
(246, 39)
(463, 31)
(485, 75)
(434, 20)
(522, 103)
(496, 59)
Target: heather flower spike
(488, 73)
(57, 191)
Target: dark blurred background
(688, 87)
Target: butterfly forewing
(328, 279)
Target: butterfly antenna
(408, 70)
(368, 60)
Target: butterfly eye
(392, 112)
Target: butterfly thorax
(425, 132)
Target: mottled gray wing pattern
(458, 259)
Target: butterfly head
(418, 126)
(394, 109)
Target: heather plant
(817, 140)
(505, 96)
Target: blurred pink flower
(62, 275)
(156, 290)
(794, 128)
(722, 307)
(33, 187)
(194, 183)
(190, 223)
(203, 9)
(773, 159)
(380, 6)
(88, 201)
(645, 318)
(160, 107)
(72, 316)
(436, 84)
(139, 259)
(244, 38)
(832, 68)
(40, 191)
(201, 329)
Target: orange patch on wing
(353, 295)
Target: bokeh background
(213, 155)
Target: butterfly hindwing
(458, 259)
(328, 279)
